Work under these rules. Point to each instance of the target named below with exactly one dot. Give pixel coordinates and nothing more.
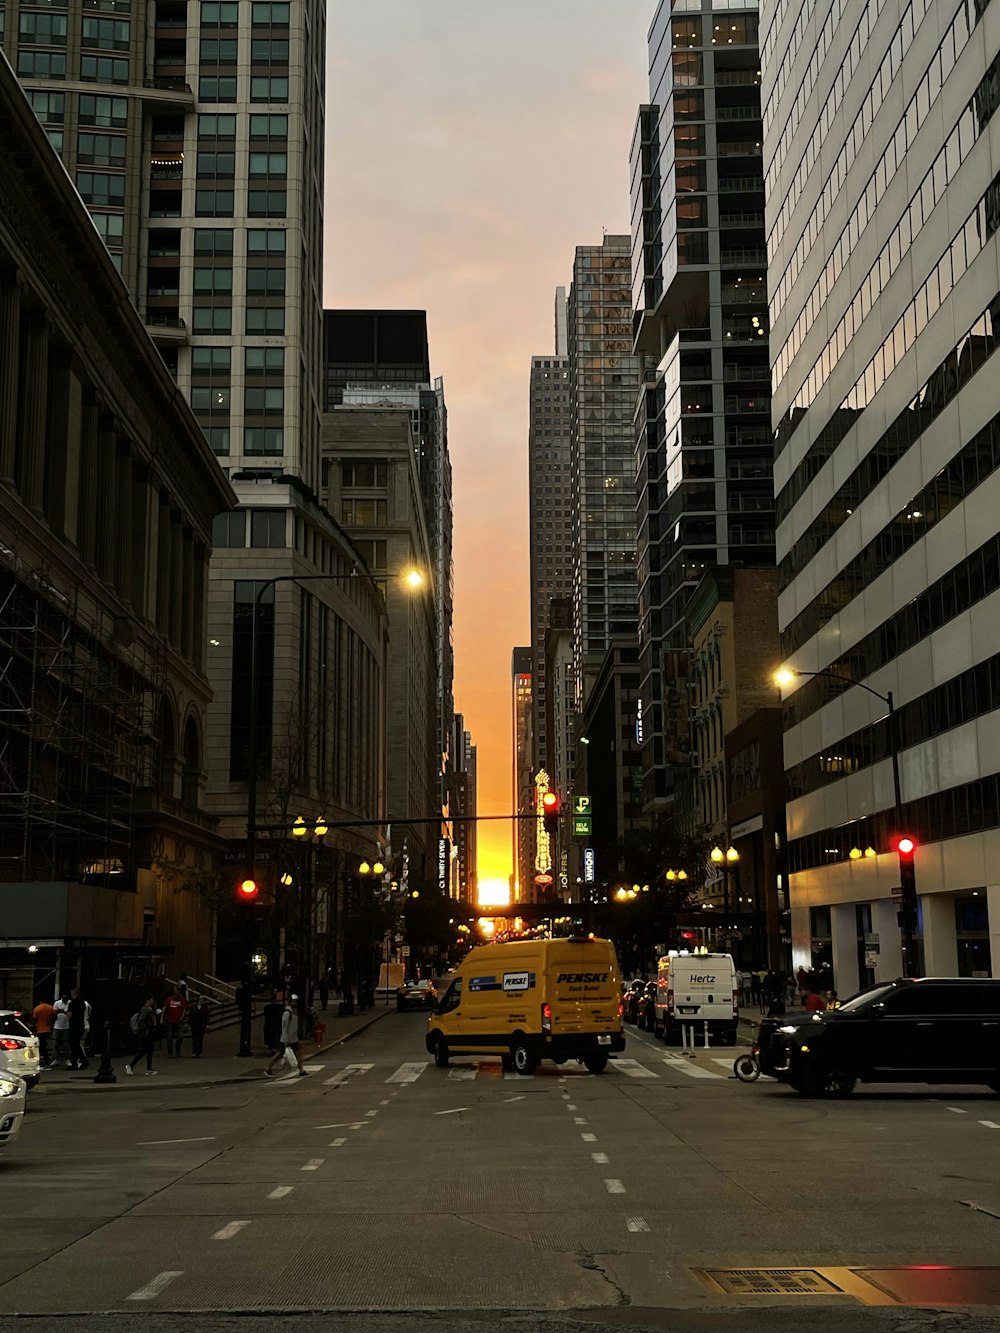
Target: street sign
(871, 958)
(871, 940)
(581, 805)
(897, 894)
(582, 826)
(589, 865)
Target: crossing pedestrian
(198, 1022)
(60, 1032)
(77, 1022)
(143, 1025)
(289, 1037)
(174, 1009)
(44, 1016)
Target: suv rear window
(10, 1026)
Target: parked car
(18, 1047)
(13, 1092)
(645, 1008)
(926, 1030)
(416, 995)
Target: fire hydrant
(319, 1032)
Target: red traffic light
(550, 802)
(906, 846)
(248, 890)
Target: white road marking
(342, 1075)
(337, 1143)
(280, 1191)
(958, 1110)
(152, 1289)
(990, 1124)
(614, 1187)
(369, 1114)
(579, 1120)
(683, 1066)
(633, 1068)
(637, 1224)
(385, 1103)
(463, 1072)
(454, 1111)
(512, 1074)
(154, 1143)
(508, 1100)
(571, 1107)
(230, 1230)
(601, 1158)
(589, 1138)
(313, 1164)
(409, 1072)
(343, 1124)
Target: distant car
(416, 995)
(12, 1097)
(18, 1047)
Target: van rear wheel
(596, 1064)
(521, 1058)
(441, 1056)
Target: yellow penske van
(532, 1000)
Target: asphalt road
(474, 1198)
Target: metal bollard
(106, 1073)
(706, 1033)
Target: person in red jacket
(174, 1009)
(814, 1002)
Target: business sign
(444, 864)
(581, 805)
(582, 826)
(589, 865)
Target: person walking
(289, 1037)
(198, 1022)
(60, 1032)
(143, 1025)
(174, 1009)
(323, 987)
(44, 1016)
(814, 1002)
(77, 1022)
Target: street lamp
(907, 916)
(727, 860)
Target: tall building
(381, 358)
(560, 703)
(523, 785)
(109, 855)
(550, 509)
(604, 382)
(462, 799)
(885, 302)
(703, 444)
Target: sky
(471, 146)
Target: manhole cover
(768, 1281)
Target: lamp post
(307, 878)
(370, 875)
(907, 916)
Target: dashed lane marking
(614, 1187)
(571, 1107)
(601, 1158)
(280, 1191)
(408, 1072)
(455, 1110)
(990, 1124)
(313, 1164)
(637, 1224)
(230, 1230)
(633, 1069)
(589, 1138)
(343, 1124)
(369, 1114)
(337, 1143)
(155, 1143)
(579, 1120)
(958, 1110)
(152, 1289)
(519, 1098)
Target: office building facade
(703, 447)
(522, 776)
(885, 295)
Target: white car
(12, 1095)
(18, 1047)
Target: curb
(355, 1032)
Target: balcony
(168, 91)
(166, 327)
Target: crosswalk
(465, 1071)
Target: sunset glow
(494, 893)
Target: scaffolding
(80, 701)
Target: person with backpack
(143, 1025)
(289, 1038)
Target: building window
(269, 90)
(220, 15)
(99, 188)
(265, 320)
(264, 400)
(55, 138)
(266, 203)
(270, 242)
(103, 111)
(270, 15)
(265, 361)
(50, 108)
(269, 127)
(106, 34)
(218, 50)
(214, 203)
(210, 242)
(43, 29)
(268, 164)
(110, 227)
(212, 89)
(210, 401)
(268, 51)
(265, 281)
(365, 513)
(216, 127)
(103, 69)
(212, 319)
(262, 440)
(100, 150)
(229, 530)
(267, 527)
(364, 474)
(216, 165)
(213, 280)
(41, 64)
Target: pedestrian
(831, 1000)
(44, 1016)
(814, 1002)
(324, 992)
(143, 1026)
(182, 986)
(802, 982)
(85, 1042)
(174, 1008)
(198, 1022)
(755, 988)
(60, 1031)
(77, 1018)
(289, 1037)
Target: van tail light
(736, 1002)
(670, 1001)
(621, 1011)
(546, 1017)
(11, 1044)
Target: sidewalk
(218, 1064)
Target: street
(381, 1184)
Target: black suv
(927, 1030)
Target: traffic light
(550, 811)
(247, 891)
(905, 848)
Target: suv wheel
(820, 1080)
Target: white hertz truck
(694, 989)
